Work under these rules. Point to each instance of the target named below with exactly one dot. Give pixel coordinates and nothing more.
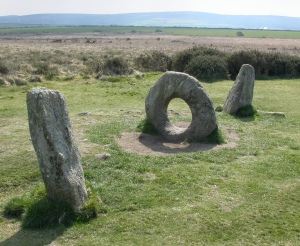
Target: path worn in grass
(241, 196)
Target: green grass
(242, 196)
(216, 137)
(36, 211)
(145, 126)
(190, 31)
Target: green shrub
(280, 65)
(46, 213)
(240, 34)
(116, 66)
(44, 68)
(15, 207)
(207, 68)
(265, 64)
(153, 61)
(3, 68)
(182, 59)
(255, 58)
(37, 211)
(145, 126)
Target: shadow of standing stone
(241, 94)
(58, 155)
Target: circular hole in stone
(179, 113)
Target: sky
(240, 7)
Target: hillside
(180, 19)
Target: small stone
(103, 156)
(275, 114)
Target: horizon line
(152, 12)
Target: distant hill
(179, 19)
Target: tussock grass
(145, 126)
(36, 211)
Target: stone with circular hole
(180, 85)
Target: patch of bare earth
(146, 144)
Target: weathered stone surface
(180, 85)
(57, 153)
(241, 94)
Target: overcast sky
(242, 7)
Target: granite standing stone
(241, 94)
(58, 155)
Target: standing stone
(241, 94)
(58, 155)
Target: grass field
(243, 196)
(186, 31)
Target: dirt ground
(145, 144)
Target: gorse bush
(240, 34)
(183, 58)
(265, 64)
(153, 61)
(44, 68)
(116, 66)
(3, 68)
(107, 66)
(207, 68)
(209, 64)
(254, 58)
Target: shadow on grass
(245, 119)
(34, 237)
(158, 144)
(48, 218)
(246, 114)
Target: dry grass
(73, 56)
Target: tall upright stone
(58, 155)
(241, 94)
